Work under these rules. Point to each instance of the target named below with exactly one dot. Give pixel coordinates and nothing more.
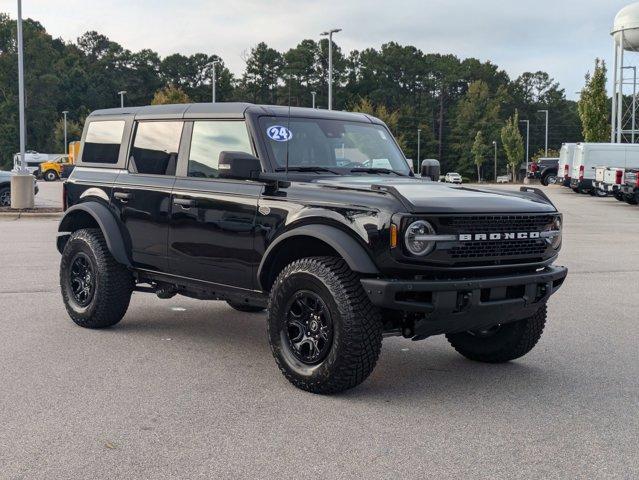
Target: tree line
(449, 99)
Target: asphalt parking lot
(189, 389)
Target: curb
(18, 215)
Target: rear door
(211, 237)
(142, 194)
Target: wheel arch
(310, 241)
(93, 214)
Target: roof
(229, 110)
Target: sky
(562, 37)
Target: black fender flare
(106, 221)
(344, 244)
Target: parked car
(544, 170)
(564, 169)
(233, 201)
(630, 187)
(503, 179)
(5, 188)
(452, 177)
(589, 156)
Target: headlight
(552, 233)
(417, 239)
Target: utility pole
(121, 93)
(22, 193)
(495, 145)
(419, 144)
(546, 112)
(527, 122)
(313, 94)
(66, 148)
(634, 100)
(330, 33)
(213, 79)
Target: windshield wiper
(376, 170)
(307, 169)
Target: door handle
(184, 202)
(123, 196)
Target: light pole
(495, 145)
(213, 79)
(527, 122)
(22, 195)
(121, 93)
(65, 132)
(546, 112)
(313, 94)
(330, 64)
(419, 144)
(634, 99)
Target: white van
(566, 155)
(589, 156)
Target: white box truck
(589, 156)
(566, 155)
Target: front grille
(494, 251)
(496, 223)
(506, 248)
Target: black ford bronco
(312, 215)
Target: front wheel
(50, 176)
(5, 197)
(323, 330)
(631, 199)
(96, 290)
(501, 343)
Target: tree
(389, 117)
(513, 143)
(260, 80)
(170, 95)
(480, 151)
(74, 133)
(593, 105)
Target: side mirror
(430, 169)
(238, 165)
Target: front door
(143, 193)
(211, 237)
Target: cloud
(560, 37)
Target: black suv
(312, 215)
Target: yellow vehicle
(52, 171)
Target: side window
(155, 148)
(102, 141)
(209, 139)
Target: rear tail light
(565, 170)
(581, 172)
(618, 177)
(637, 180)
(534, 167)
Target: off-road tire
(244, 307)
(620, 197)
(5, 196)
(576, 190)
(357, 325)
(630, 199)
(50, 176)
(510, 341)
(113, 281)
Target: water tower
(624, 105)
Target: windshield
(332, 145)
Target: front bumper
(459, 305)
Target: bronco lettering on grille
(482, 237)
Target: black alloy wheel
(309, 328)
(82, 279)
(5, 197)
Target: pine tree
(593, 105)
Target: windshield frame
(275, 167)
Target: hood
(423, 196)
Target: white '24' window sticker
(279, 133)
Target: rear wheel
(324, 333)
(5, 196)
(50, 175)
(619, 196)
(244, 307)
(576, 190)
(630, 199)
(95, 288)
(501, 343)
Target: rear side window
(102, 142)
(155, 148)
(209, 139)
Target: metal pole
(330, 70)
(313, 94)
(23, 160)
(495, 144)
(620, 91)
(213, 82)
(121, 93)
(634, 101)
(527, 122)
(613, 116)
(419, 144)
(66, 151)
